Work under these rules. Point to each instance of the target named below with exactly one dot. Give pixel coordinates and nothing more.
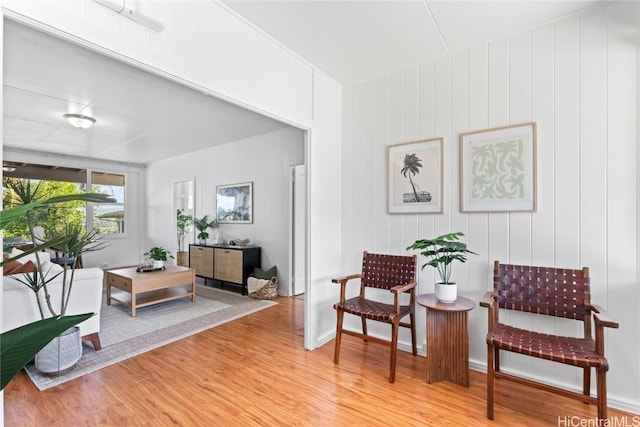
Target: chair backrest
(552, 291)
(385, 271)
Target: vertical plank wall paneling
(577, 80)
(622, 197)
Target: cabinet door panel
(228, 265)
(201, 260)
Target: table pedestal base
(447, 347)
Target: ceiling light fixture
(79, 121)
(8, 168)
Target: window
(56, 180)
(110, 218)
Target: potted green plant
(159, 255)
(19, 346)
(202, 225)
(183, 223)
(440, 252)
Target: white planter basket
(61, 354)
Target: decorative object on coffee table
(158, 255)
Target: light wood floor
(255, 372)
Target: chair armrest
(601, 317)
(346, 278)
(403, 288)
(488, 300)
(343, 283)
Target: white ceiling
(142, 118)
(358, 40)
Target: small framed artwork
(415, 176)
(498, 169)
(234, 203)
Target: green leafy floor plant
(19, 346)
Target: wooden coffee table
(142, 289)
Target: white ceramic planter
(446, 293)
(158, 263)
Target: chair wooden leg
(394, 351)
(364, 328)
(490, 380)
(601, 381)
(412, 319)
(496, 358)
(586, 383)
(336, 353)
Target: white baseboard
(613, 401)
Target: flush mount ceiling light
(79, 121)
(6, 168)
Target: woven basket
(268, 291)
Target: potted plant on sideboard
(202, 225)
(440, 252)
(183, 222)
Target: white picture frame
(234, 203)
(415, 176)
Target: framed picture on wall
(234, 203)
(415, 176)
(498, 169)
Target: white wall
(577, 79)
(264, 160)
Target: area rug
(123, 336)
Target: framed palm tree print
(415, 176)
(498, 169)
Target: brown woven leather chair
(394, 273)
(555, 292)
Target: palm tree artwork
(412, 165)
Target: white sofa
(19, 305)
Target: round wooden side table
(447, 339)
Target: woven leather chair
(391, 272)
(555, 292)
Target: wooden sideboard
(225, 264)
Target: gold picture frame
(498, 169)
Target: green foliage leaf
(18, 346)
(441, 251)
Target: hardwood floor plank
(254, 371)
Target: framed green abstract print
(498, 169)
